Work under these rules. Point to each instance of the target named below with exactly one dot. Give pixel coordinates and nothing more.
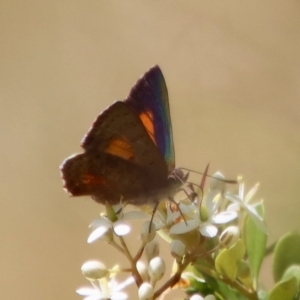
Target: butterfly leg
(153, 212)
(191, 194)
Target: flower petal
(233, 207)
(100, 222)
(251, 193)
(86, 291)
(119, 296)
(97, 233)
(188, 209)
(257, 219)
(209, 230)
(241, 190)
(224, 217)
(183, 227)
(121, 228)
(233, 198)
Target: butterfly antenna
(194, 184)
(224, 180)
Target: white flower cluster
(195, 229)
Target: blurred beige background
(232, 70)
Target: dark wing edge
(150, 96)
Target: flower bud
(152, 249)
(94, 270)
(157, 268)
(146, 291)
(217, 184)
(229, 236)
(177, 249)
(142, 270)
(148, 232)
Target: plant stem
(137, 277)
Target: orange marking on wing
(90, 179)
(147, 119)
(120, 148)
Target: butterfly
(128, 151)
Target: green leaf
(256, 240)
(213, 286)
(227, 262)
(286, 254)
(292, 271)
(286, 289)
(230, 293)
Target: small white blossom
(165, 219)
(103, 227)
(213, 201)
(243, 202)
(208, 227)
(105, 290)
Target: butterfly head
(176, 179)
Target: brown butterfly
(128, 151)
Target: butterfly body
(128, 151)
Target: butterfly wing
(149, 98)
(120, 159)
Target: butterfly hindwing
(149, 98)
(96, 176)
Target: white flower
(105, 290)
(243, 202)
(163, 219)
(208, 227)
(103, 227)
(214, 217)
